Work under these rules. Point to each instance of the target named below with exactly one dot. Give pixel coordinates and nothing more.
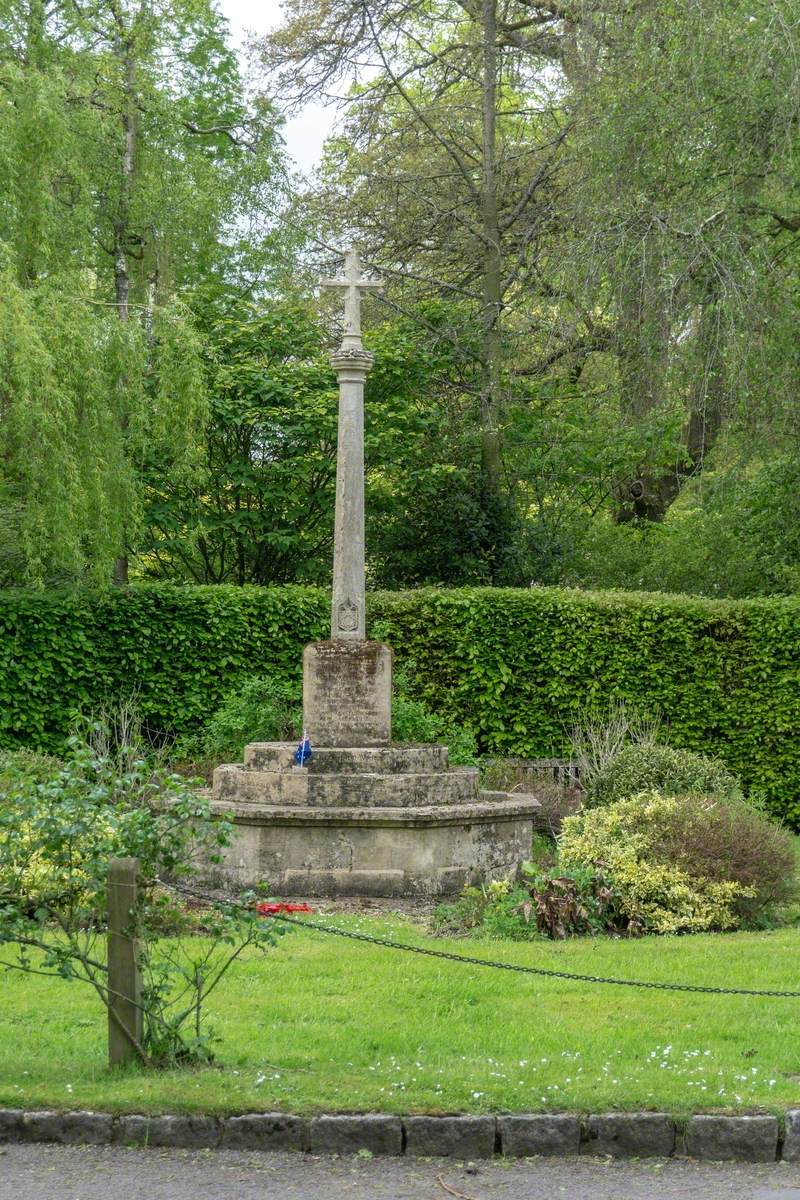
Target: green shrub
(269, 708)
(266, 708)
(59, 830)
(518, 666)
(684, 864)
(647, 766)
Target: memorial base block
(395, 820)
(347, 693)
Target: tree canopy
(587, 213)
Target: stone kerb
(708, 1136)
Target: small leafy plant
(60, 825)
(548, 900)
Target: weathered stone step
(486, 807)
(301, 787)
(279, 756)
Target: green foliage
(523, 667)
(427, 522)
(643, 162)
(732, 532)
(176, 651)
(519, 667)
(684, 864)
(414, 721)
(555, 902)
(59, 829)
(28, 767)
(269, 708)
(85, 403)
(262, 512)
(648, 766)
(265, 708)
(129, 143)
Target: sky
(305, 133)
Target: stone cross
(353, 283)
(352, 364)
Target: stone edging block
(745, 1139)
(11, 1124)
(791, 1137)
(523, 1136)
(343, 1134)
(711, 1136)
(450, 1137)
(69, 1128)
(629, 1135)
(181, 1132)
(265, 1131)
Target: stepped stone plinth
(389, 820)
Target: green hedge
(517, 665)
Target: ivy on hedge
(520, 666)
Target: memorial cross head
(352, 283)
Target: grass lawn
(321, 1023)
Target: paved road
(91, 1173)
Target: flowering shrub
(683, 864)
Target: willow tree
(686, 213)
(136, 167)
(73, 444)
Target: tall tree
(449, 166)
(687, 208)
(134, 164)
(630, 168)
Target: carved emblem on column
(347, 620)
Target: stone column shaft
(348, 604)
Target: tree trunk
(642, 349)
(122, 231)
(491, 344)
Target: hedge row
(518, 665)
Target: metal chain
(487, 962)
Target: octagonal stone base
(391, 821)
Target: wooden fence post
(124, 977)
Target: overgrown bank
(518, 666)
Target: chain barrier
(449, 956)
